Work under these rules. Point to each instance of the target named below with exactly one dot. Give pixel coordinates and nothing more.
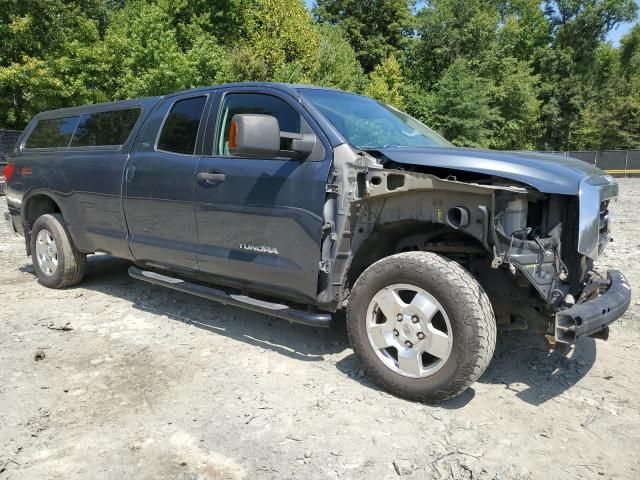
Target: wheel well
(413, 236)
(36, 206)
(39, 205)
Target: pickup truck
(298, 201)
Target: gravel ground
(142, 382)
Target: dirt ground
(142, 382)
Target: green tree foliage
(515, 74)
(630, 52)
(462, 109)
(525, 31)
(337, 65)
(570, 65)
(610, 117)
(142, 55)
(277, 33)
(43, 43)
(517, 106)
(375, 28)
(451, 30)
(387, 82)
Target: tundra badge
(259, 248)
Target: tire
(458, 340)
(63, 265)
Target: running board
(274, 309)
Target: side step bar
(274, 309)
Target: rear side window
(180, 129)
(52, 132)
(105, 128)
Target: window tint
(237, 103)
(105, 128)
(180, 129)
(52, 132)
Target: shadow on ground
(109, 275)
(522, 362)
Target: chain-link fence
(619, 163)
(8, 139)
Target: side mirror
(255, 135)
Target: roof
(144, 102)
(290, 88)
(147, 102)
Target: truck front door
(259, 220)
(159, 184)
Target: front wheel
(422, 326)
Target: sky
(618, 33)
(614, 36)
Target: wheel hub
(46, 252)
(409, 330)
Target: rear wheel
(56, 261)
(421, 325)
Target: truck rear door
(259, 220)
(159, 183)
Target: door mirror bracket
(302, 144)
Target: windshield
(368, 124)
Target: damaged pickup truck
(297, 202)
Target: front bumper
(593, 316)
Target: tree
(451, 30)
(376, 29)
(36, 37)
(610, 118)
(143, 56)
(462, 109)
(525, 30)
(630, 52)
(515, 100)
(580, 25)
(277, 33)
(337, 65)
(387, 82)
(569, 67)
(504, 74)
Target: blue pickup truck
(298, 201)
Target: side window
(180, 128)
(52, 133)
(105, 128)
(235, 103)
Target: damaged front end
(533, 252)
(553, 240)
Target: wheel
(421, 326)
(56, 260)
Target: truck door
(259, 220)
(159, 184)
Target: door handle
(130, 173)
(210, 178)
